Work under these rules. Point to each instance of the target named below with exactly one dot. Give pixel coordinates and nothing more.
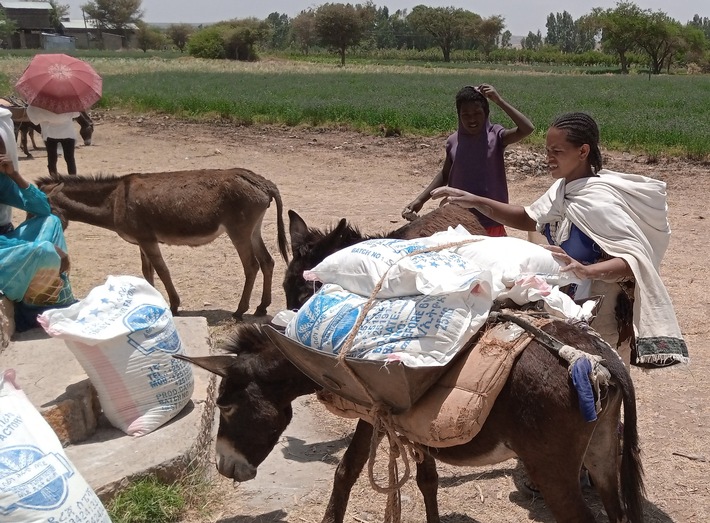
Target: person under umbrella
(56, 129)
(57, 88)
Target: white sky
(520, 16)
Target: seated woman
(33, 256)
(607, 228)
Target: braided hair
(582, 129)
(469, 93)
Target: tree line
(625, 35)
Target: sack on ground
(415, 330)
(38, 483)
(124, 337)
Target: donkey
(536, 417)
(178, 208)
(310, 246)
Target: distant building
(32, 19)
(87, 35)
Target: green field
(668, 114)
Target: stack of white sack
(38, 483)
(429, 295)
(124, 337)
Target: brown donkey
(178, 208)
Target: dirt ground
(327, 174)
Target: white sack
(38, 483)
(416, 330)
(124, 337)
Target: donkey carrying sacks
(124, 337)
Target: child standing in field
(474, 153)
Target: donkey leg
(348, 471)
(24, 130)
(603, 462)
(250, 265)
(147, 268)
(266, 264)
(428, 483)
(152, 252)
(561, 490)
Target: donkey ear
(216, 364)
(298, 230)
(342, 225)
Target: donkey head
(255, 393)
(309, 247)
(87, 127)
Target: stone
(74, 415)
(7, 322)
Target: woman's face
(564, 159)
(472, 117)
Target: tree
(240, 37)
(149, 37)
(620, 29)
(57, 12)
(561, 32)
(303, 29)
(662, 37)
(339, 26)
(532, 41)
(179, 34)
(446, 25)
(702, 23)
(487, 33)
(280, 30)
(115, 15)
(505, 39)
(7, 29)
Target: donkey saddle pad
(455, 408)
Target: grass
(661, 115)
(148, 501)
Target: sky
(520, 16)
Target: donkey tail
(632, 487)
(280, 227)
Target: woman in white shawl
(605, 227)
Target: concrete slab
(110, 460)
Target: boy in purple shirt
(474, 153)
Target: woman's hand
(6, 165)
(569, 264)
(456, 196)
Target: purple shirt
(477, 165)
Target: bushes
(235, 40)
(207, 43)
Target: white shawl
(627, 216)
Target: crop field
(667, 114)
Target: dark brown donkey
(178, 208)
(310, 246)
(536, 417)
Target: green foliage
(236, 40)
(303, 29)
(7, 27)
(241, 36)
(57, 12)
(149, 37)
(148, 501)
(207, 43)
(179, 35)
(114, 14)
(339, 26)
(446, 25)
(669, 113)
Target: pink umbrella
(60, 83)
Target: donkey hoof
(238, 315)
(260, 311)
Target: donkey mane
(77, 179)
